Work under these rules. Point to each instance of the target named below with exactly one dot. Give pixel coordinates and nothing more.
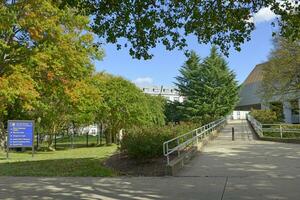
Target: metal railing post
(197, 136)
(168, 160)
(167, 147)
(178, 151)
(280, 131)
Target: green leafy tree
(49, 50)
(173, 113)
(124, 106)
(281, 74)
(86, 100)
(144, 24)
(156, 108)
(210, 88)
(99, 81)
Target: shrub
(265, 116)
(147, 142)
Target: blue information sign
(20, 133)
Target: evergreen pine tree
(209, 86)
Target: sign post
(20, 134)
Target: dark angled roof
(256, 75)
(249, 90)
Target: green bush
(147, 142)
(265, 116)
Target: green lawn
(71, 162)
(78, 142)
(284, 135)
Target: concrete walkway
(244, 169)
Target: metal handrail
(255, 124)
(184, 140)
(277, 128)
(283, 124)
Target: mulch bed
(130, 167)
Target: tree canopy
(281, 74)
(209, 87)
(125, 105)
(47, 73)
(144, 24)
(45, 52)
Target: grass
(284, 135)
(78, 142)
(72, 162)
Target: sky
(163, 67)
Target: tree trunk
(99, 133)
(50, 141)
(113, 135)
(108, 137)
(2, 136)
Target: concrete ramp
(245, 156)
(242, 132)
(251, 167)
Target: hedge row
(147, 142)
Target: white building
(239, 114)
(250, 98)
(91, 130)
(170, 93)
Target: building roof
(256, 75)
(251, 86)
(162, 90)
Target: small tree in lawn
(86, 100)
(210, 88)
(124, 105)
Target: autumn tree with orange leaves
(45, 54)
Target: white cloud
(143, 81)
(263, 15)
(266, 14)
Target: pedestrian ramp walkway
(244, 157)
(237, 130)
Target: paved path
(244, 169)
